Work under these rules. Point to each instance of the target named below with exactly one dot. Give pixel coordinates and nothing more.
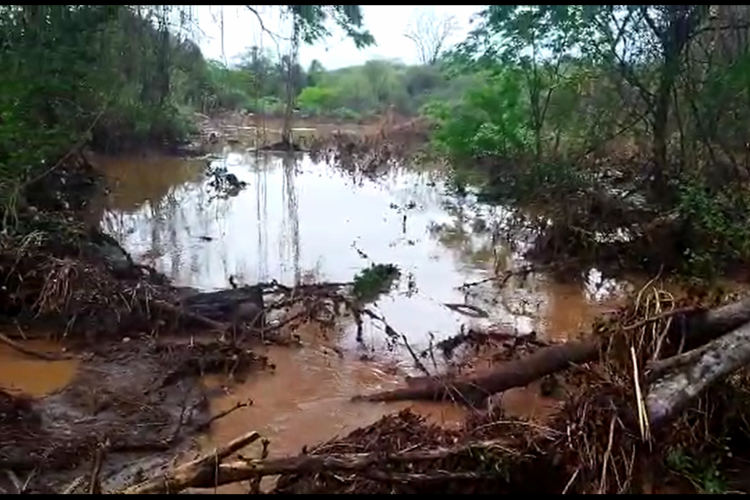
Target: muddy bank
(131, 405)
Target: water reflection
(291, 252)
(303, 220)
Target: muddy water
(21, 373)
(316, 406)
(300, 221)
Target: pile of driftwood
(648, 363)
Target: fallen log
(472, 391)
(195, 319)
(683, 378)
(218, 311)
(30, 352)
(698, 326)
(704, 326)
(208, 472)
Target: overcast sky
(386, 23)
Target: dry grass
(52, 274)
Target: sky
(387, 24)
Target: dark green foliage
(612, 117)
(377, 279)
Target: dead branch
(198, 319)
(705, 326)
(417, 361)
(95, 484)
(209, 474)
(514, 373)
(503, 278)
(664, 315)
(187, 475)
(477, 337)
(698, 327)
(205, 425)
(467, 310)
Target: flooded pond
(300, 221)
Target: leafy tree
(315, 72)
(620, 112)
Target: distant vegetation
(257, 84)
(125, 77)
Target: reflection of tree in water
(291, 217)
(410, 186)
(157, 222)
(471, 234)
(147, 180)
(167, 231)
(159, 217)
(260, 168)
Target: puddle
(20, 373)
(298, 221)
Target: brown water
(21, 373)
(300, 221)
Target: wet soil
(137, 403)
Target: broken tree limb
(203, 473)
(693, 372)
(514, 373)
(224, 305)
(184, 476)
(196, 318)
(699, 327)
(478, 337)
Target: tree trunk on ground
(243, 303)
(516, 373)
(689, 374)
(700, 327)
